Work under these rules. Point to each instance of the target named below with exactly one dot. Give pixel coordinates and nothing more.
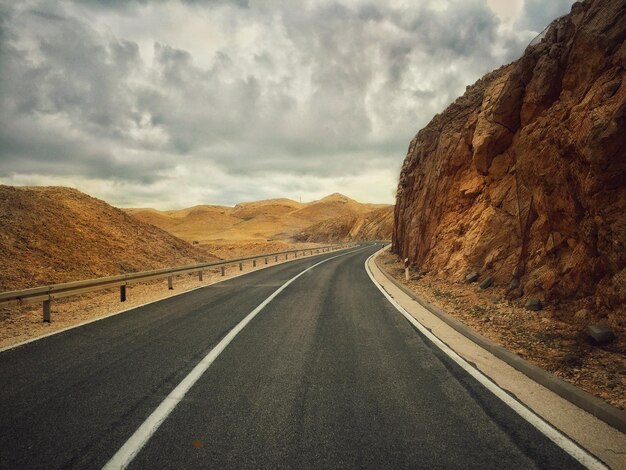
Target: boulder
(487, 282)
(533, 304)
(601, 334)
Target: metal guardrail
(46, 294)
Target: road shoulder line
(552, 433)
(584, 400)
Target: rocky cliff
(523, 177)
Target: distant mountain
(271, 219)
(373, 225)
(54, 234)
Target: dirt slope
(51, 235)
(524, 176)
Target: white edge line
(93, 320)
(125, 455)
(565, 443)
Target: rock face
(524, 175)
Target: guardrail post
(295, 255)
(276, 259)
(254, 263)
(265, 260)
(123, 293)
(223, 271)
(200, 276)
(170, 283)
(240, 266)
(46, 311)
(286, 255)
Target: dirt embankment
(523, 178)
(51, 235)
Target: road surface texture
(327, 374)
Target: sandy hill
(192, 224)
(52, 234)
(523, 178)
(330, 207)
(271, 219)
(267, 207)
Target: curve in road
(328, 374)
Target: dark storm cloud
(279, 90)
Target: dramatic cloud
(170, 104)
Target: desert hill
(523, 178)
(193, 223)
(331, 206)
(267, 207)
(374, 225)
(53, 234)
(271, 219)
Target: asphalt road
(328, 374)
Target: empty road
(326, 374)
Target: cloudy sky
(174, 103)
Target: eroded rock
(525, 172)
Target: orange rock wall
(524, 175)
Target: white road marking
(125, 455)
(561, 440)
(213, 284)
